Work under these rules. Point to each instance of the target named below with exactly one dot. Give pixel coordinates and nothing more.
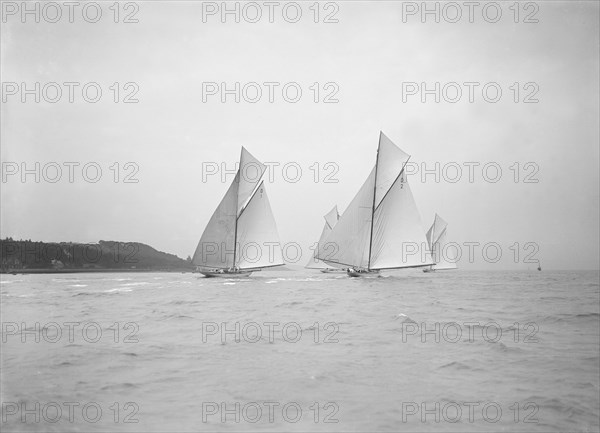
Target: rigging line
(337, 263)
(238, 217)
(394, 182)
(373, 205)
(403, 267)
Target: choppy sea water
(301, 351)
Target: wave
(118, 289)
(557, 318)
(573, 413)
(127, 385)
(455, 365)
(404, 318)
(503, 348)
(289, 304)
(179, 302)
(86, 294)
(175, 316)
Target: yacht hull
(333, 271)
(226, 274)
(363, 274)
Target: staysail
(443, 258)
(241, 233)
(331, 219)
(257, 239)
(381, 228)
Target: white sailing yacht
(381, 228)
(443, 258)
(331, 219)
(241, 236)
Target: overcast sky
(369, 53)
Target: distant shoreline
(31, 257)
(83, 270)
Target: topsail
(381, 228)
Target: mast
(373, 206)
(432, 243)
(235, 240)
(236, 212)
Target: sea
(301, 350)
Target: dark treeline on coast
(27, 256)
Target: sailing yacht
(436, 240)
(381, 228)
(331, 219)
(241, 236)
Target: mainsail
(381, 228)
(241, 233)
(443, 258)
(331, 219)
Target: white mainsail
(215, 249)
(241, 233)
(331, 219)
(443, 258)
(348, 242)
(381, 228)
